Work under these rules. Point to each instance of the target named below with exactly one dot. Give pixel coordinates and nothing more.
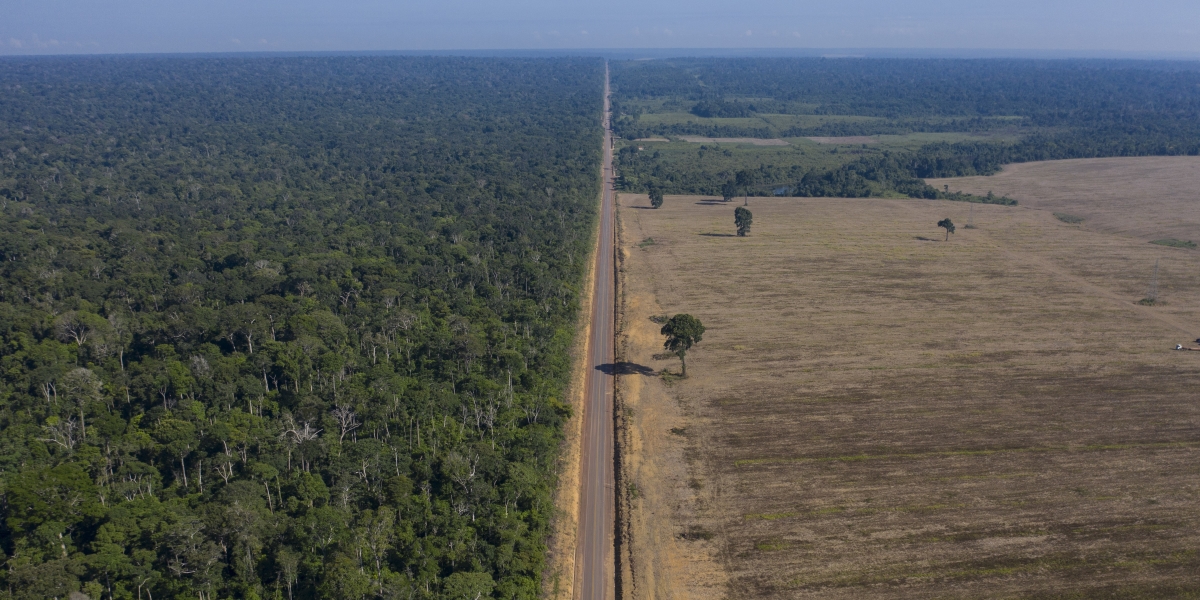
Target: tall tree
(742, 218)
(728, 190)
(683, 331)
(948, 225)
(656, 197)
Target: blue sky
(1156, 27)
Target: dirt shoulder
(667, 495)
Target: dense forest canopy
(287, 327)
(1054, 109)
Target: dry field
(1150, 197)
(853, 139)
(742, 140)
(877, 413)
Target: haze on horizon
(1167, 28)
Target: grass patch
(647, 242)
(1066, 218)
(770, 516)
(669, 377)
(772, 545)
(696, 532)
(1174, 243)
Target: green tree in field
(683, 331)
(656, 198)
(728, 190)
(948, 225)
(743, 218)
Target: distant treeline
(1059, 109)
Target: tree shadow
(718, 235)
(625, 368)
(641, 207)
(712, 203)
(925, 239)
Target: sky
(1154, 28)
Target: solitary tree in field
(948, 225)
(683, 331)
(728, 191)
(656, 198)
(743, 219)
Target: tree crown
(683, 331)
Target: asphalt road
(594, 553)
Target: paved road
(594, 555)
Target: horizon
(672, 53)
(1104, 29)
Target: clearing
(848, 139)
(1149, 198)
(875, 412)
(696, 139)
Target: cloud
(34, 42)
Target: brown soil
(1149, 198)
(876, 412)
(851, 139)
(752, 141)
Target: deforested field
(875, 412)
(1151, 197)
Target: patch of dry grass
(876, 415)
(1151, 198)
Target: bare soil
(752, 141)
(852, 139)
(874, 412)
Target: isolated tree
(948, 225)
(743, 218)
(683, 331)
(728, 190)
(656, 198)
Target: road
(594, 554)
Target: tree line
(1055, 109)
